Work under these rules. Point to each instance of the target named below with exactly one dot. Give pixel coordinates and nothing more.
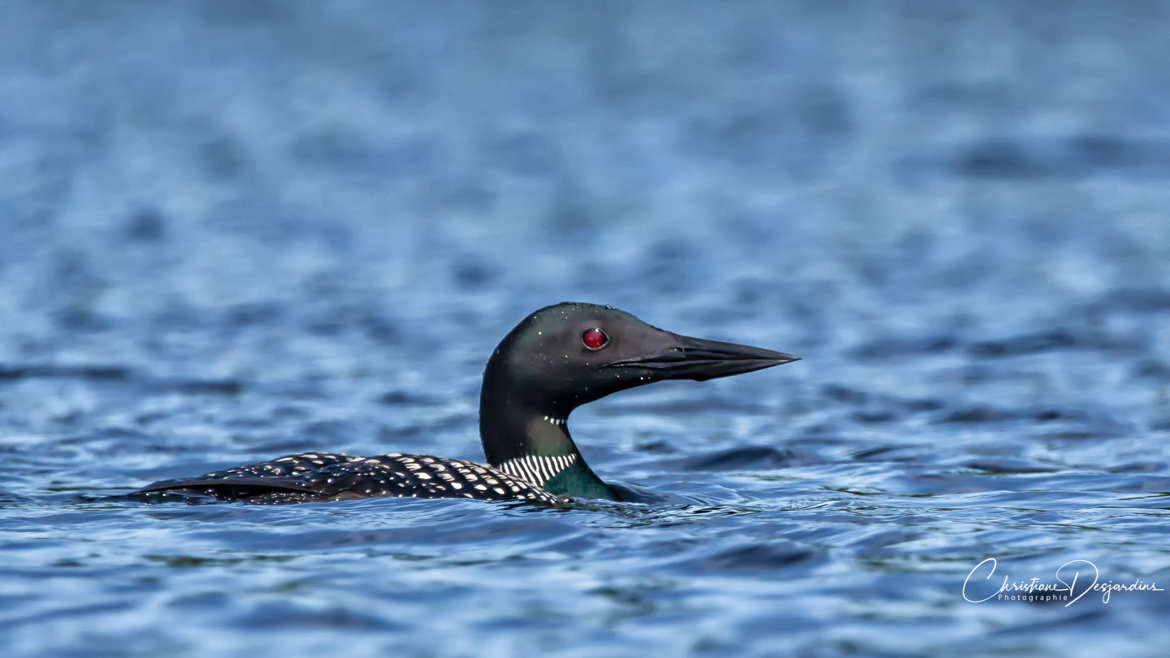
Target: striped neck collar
(537, 469)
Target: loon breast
(318, 477)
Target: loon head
(566, 355)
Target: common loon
(556, 359)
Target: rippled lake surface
(232, 231)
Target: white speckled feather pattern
(309, 477)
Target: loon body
(555, 360)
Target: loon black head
(566, 355)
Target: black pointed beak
(699, 359)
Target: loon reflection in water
(555, 360)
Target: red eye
(594, 338)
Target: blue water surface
(235, 230)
